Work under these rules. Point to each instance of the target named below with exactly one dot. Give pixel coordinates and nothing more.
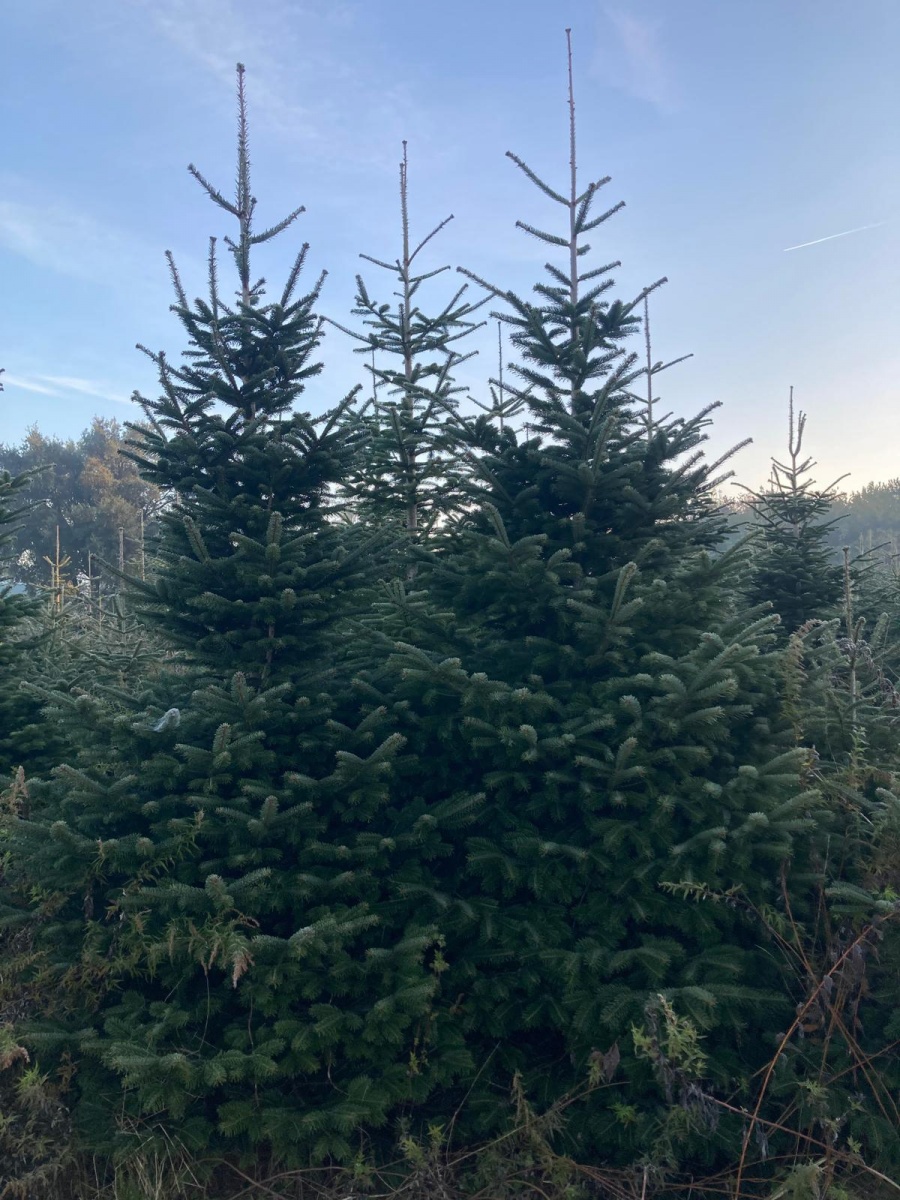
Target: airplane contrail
(832, 236)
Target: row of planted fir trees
(453, 816)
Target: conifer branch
(593, 274)
(595, 221)
(649, 368)
(536, 179)
(729, 454)
(214, 194)
(647, 291)
(380, 263)
(583, 206)
(424, 242)
(368, 339)
(294, 275)
(553, 238)
(673, 362)
(212, 280)
(488, 287)
(573, 180)
(280, 227)
(415, 280)
(176, 281)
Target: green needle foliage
(794, 566)
(603, 728)
(215, 939)
(410, 463)
(252, 521)
(18, 637)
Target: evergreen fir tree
(794, 567)
(406, 473)
(838, 619)
(578, 661)
(223, 947)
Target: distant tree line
(95, 497)
(84, 500)
(864, 519)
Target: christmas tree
(794, 566)
(223, 951)
(410, 463)
(579, 662)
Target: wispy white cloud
(302, 74)
(27, 385)
(60, 386)
(214, 35)
(75, 243)
(630, 56)
(87, 387)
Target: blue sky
(732, 129)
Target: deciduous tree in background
(87, 491)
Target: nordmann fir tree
(841, 656)
(580, 661)
(409, 470)
(217, 946)
(794, 567)
(839, 618)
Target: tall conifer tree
(794, 567)
(222, 949)
(409, 467)
(581, 663)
